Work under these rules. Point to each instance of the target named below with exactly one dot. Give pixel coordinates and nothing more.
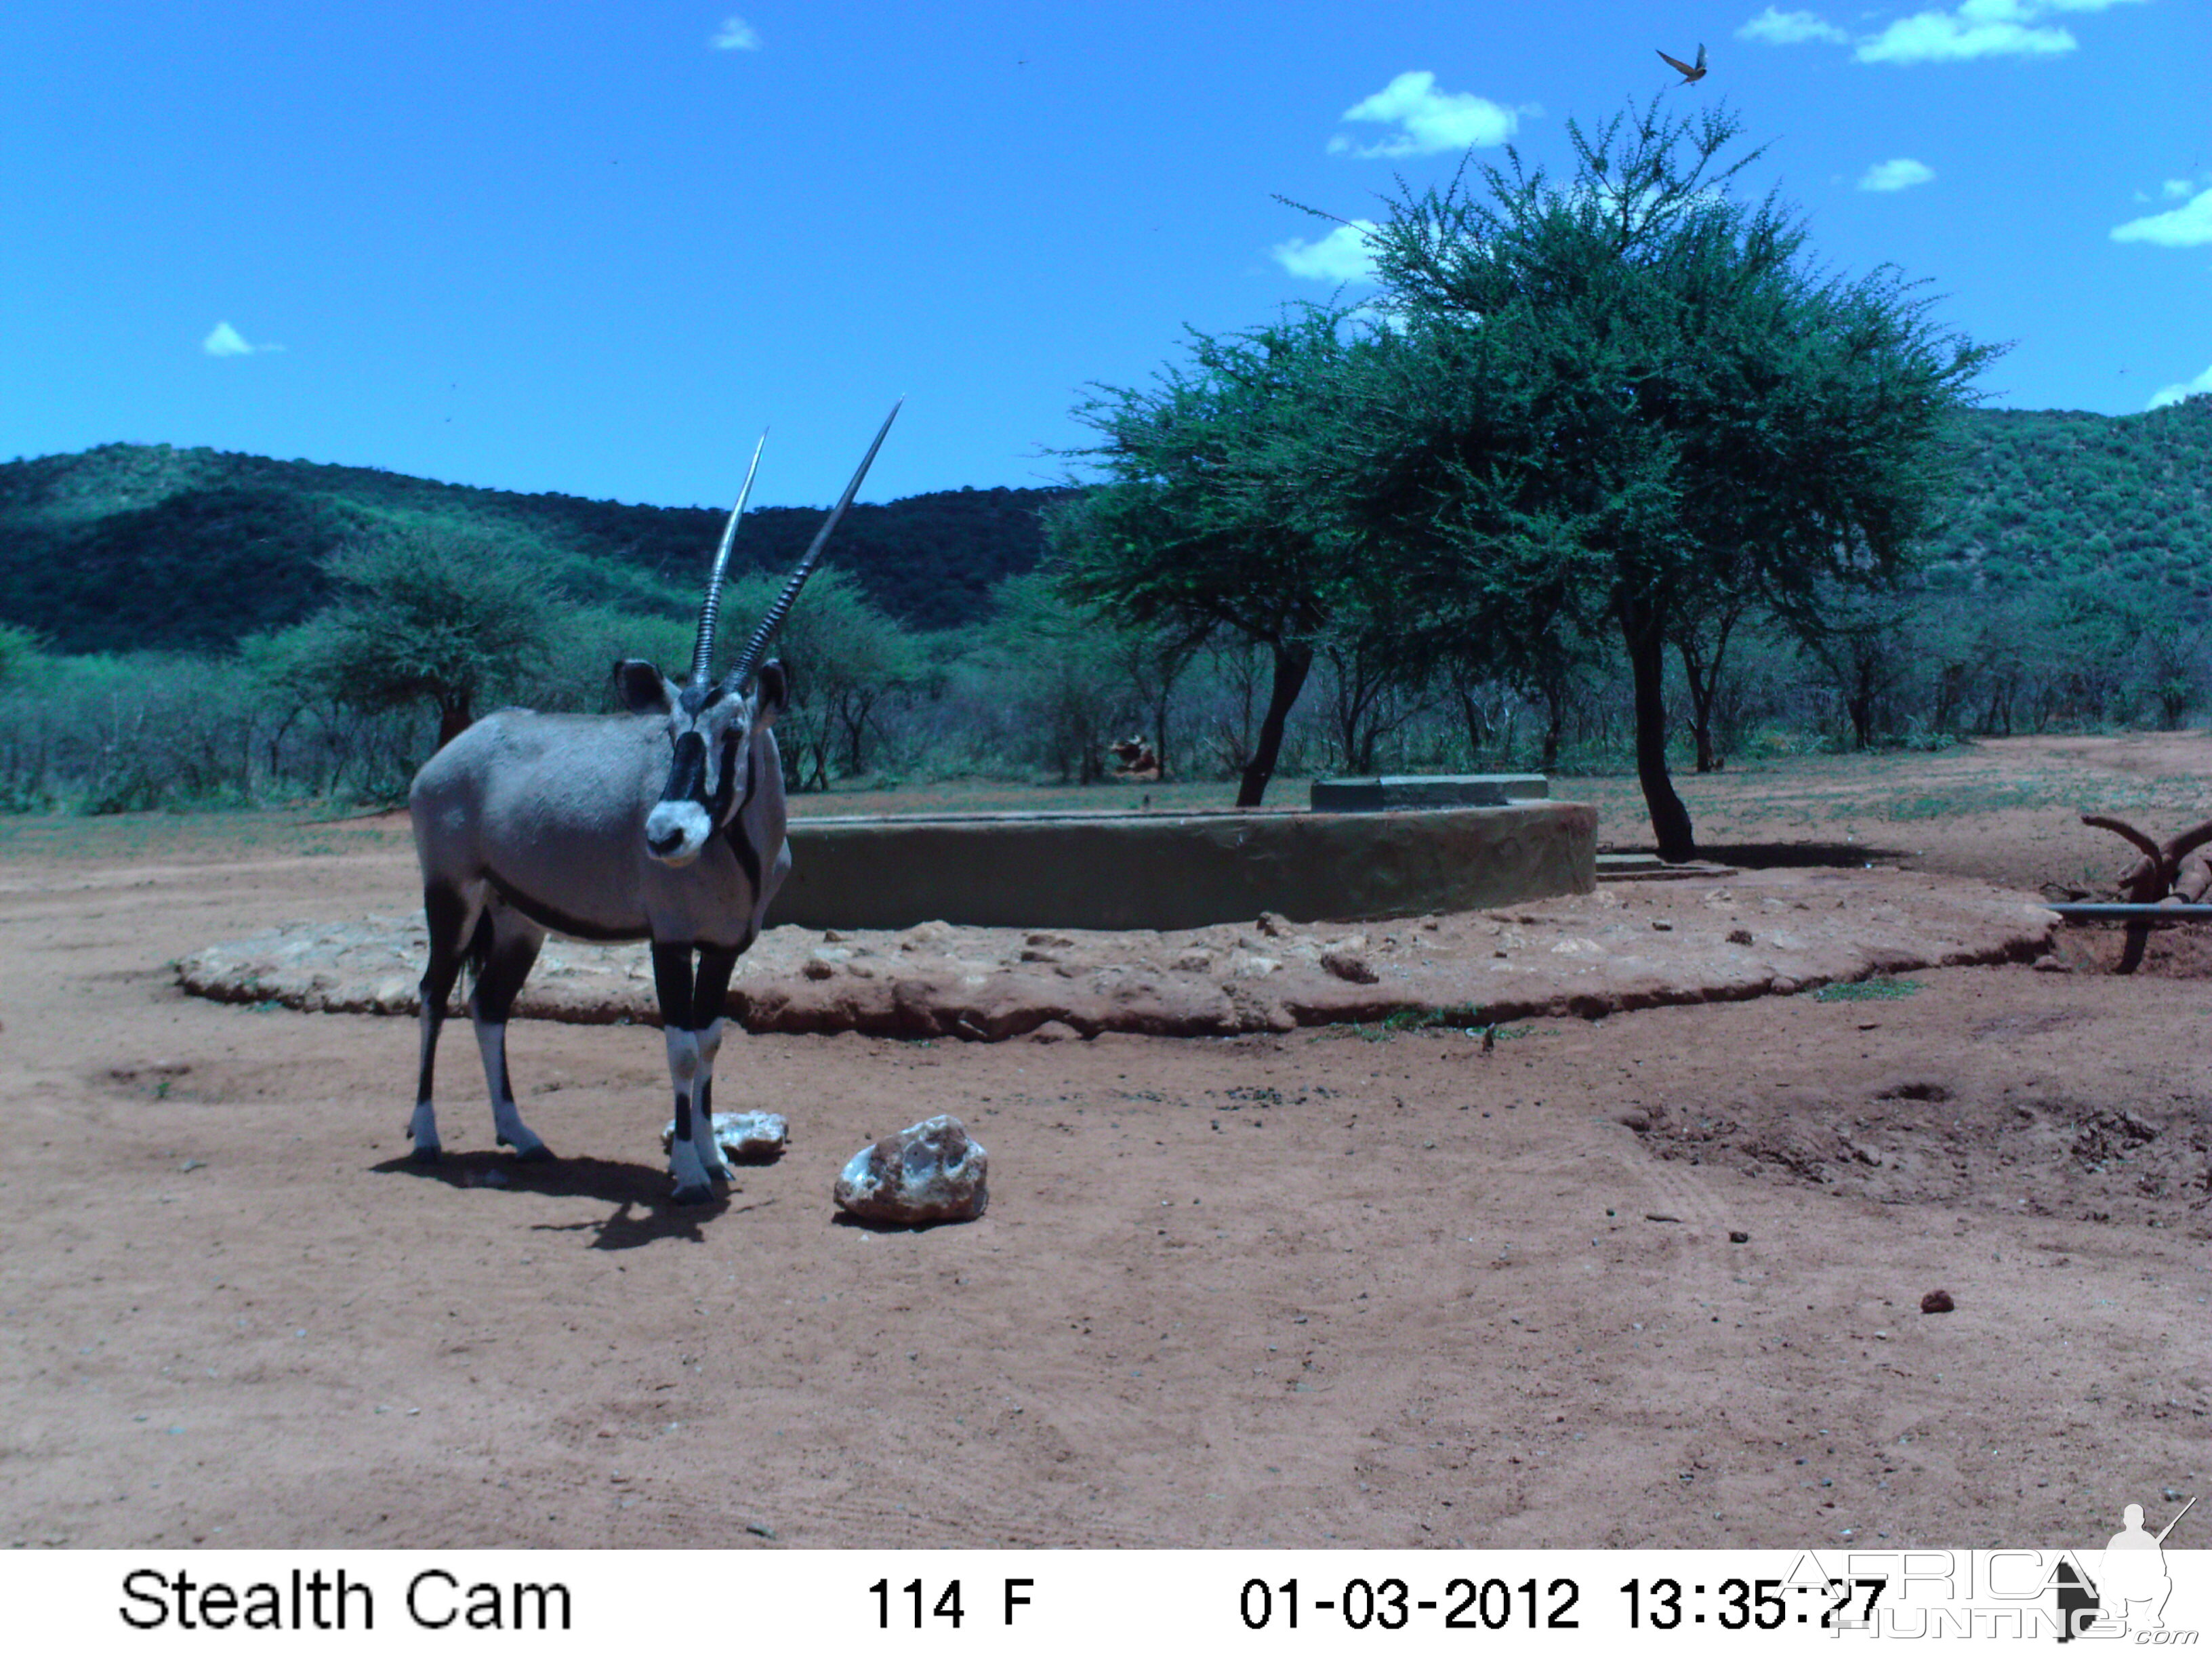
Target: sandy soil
(1318, 1287)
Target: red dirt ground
(1306, 1289)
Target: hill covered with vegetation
(135, 547)
(2051, 493)
(142, 547)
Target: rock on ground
(929, 1171)
(743, 1137)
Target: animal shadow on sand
(1796, 855)
(866, 1224)
(643, 1213)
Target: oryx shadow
(643, 1212)
(1789, 855)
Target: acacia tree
(843, 657)
(1703, 626)
(1152, 661)
(1206, 523)
(1625, 400)
(447, 619)
(1058, 666)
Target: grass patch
(1969, 798)
(1462, 1017)
(1881, 988)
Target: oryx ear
(645, 690)
(768, 701)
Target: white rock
(743, 1137)
(930, 1171)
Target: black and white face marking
(708, 730)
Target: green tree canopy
(1623, 401)
(843, 656)
(448, 619)
(1206, 522)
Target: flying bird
(1689, 73)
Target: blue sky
(596, 248)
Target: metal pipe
(2133, 912)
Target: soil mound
(1625, 946)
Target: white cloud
(2173, 187)
(1342, 256)
(1428, 120)
(2176, 393)
(1901, 173)
(1978, 28)
(1935, 37)
(735, 35)
(1788, 29)
(227, 342)
(2182, 227)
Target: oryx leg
(506, 964)
(708, 995)
(451, 915)
(691, 1024)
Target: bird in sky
(1689, 73)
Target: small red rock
(1937, 1302)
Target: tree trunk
(454, 717)
(1701, 712)
(1644, 631)
(1703, 675)
(1478, 727)
(1292, 664)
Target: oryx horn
(703, 653)
(776, 612)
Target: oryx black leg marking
(511, 952)
(671, 985)
(715, 968)
(446, 914)
(709, 996)
(689, 1152)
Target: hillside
(138, 546)
(2051, 493)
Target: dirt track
(1297, 1288)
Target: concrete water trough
(1174, 870)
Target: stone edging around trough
(1768, 933)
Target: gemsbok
(667, 823)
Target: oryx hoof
(539, 1153)
(429, 1153)
(701, 1194)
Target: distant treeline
(182, 628)
(139, 547)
